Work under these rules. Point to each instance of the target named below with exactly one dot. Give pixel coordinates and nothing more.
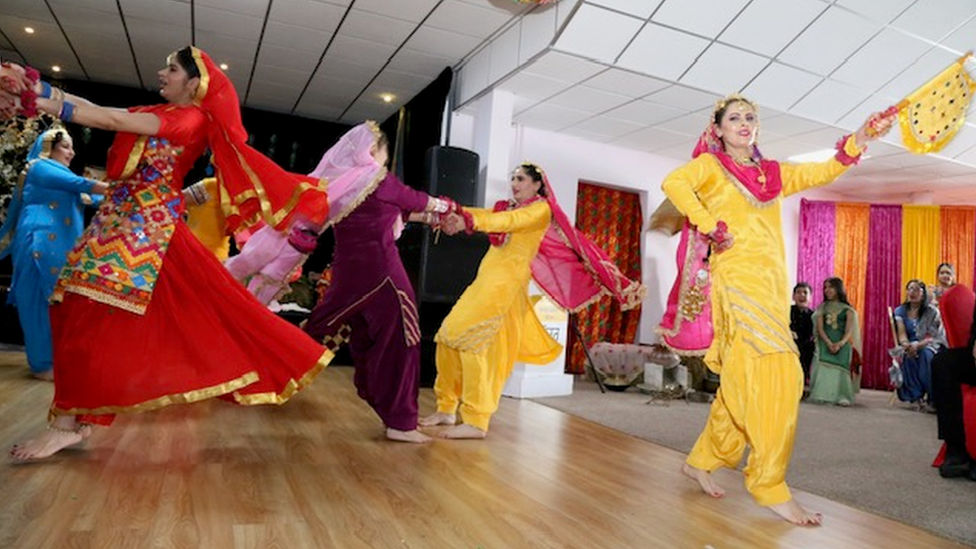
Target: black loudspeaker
(441, 270)
(448, 265)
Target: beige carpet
(870, 456)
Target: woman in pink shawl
(493, 323)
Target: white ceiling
(641, 74)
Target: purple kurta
(371, 305)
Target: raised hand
(877, 125)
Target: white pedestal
(534, 380)
(655, 375)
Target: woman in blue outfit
(43, 222)
(920, 335)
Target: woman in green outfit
(838, 336)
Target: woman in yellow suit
(732, 194)
(493, 324)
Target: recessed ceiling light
(56, 68)
(386, 97)
(29, 30)
(224, 66)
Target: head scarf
(252, 187)
(40, 151)
(573, 271)
(351, 170)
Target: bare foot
(406, 436)
(705, 480)
(792, 512)
(437, 418)
(44, 376)
(463, 431)
(56, 438)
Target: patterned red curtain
(612, 219)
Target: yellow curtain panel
(921, 242)
(958, 242)
(851, 251)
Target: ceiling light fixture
(224, 66)
(56, 68)
(29, 30)
(821, 155)
(387, 98)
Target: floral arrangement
(17, 135)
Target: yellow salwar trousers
(474, 381)
(756, 405)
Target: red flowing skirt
(202, 336)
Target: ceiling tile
(644, 112)
(293, 59)
(724, 69)
(533, 86)
(252, 8)
(376, 28)
(364, 52)
(474, 76)
(880, 60)
(561, 117)
(414, 11)
(780, 23)
(607, 128)
(598, 33)
(307, 13)
(589, 99)
(691, 124)
(881, 11)
(438, 42)
(625, 83)
(27, 9)
(418, 62)
(685, 98)
(786, 124)
(779, 86)
(961, 40)
(641, 8)
(662, 52)
(934, 19)
(917, 74)
(468, 19)
(703, 17)
(171, 12)
(562, 66)
(829, 41)
(829, 101)
(227, 23)
(652, 139)
(295, 37)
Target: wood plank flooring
(317, 473)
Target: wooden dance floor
(317, 473)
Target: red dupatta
(252, 187)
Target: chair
(956, 307)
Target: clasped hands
(452, 223)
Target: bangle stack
(67, 111)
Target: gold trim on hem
(291, 387)
(163, 401)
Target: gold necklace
(750, 162)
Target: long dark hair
(185, 58)
(923, 305)
(838, 285)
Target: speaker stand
(586, 351)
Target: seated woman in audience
(921, 335)
(945, 279)
(837, 336)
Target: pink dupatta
(573, 271)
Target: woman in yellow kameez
(732, 194)
(493, 324)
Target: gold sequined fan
(932, 114)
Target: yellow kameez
(492, 325)
(761, 379)
(206, 222)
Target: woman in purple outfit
(370, 303)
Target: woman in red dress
(143, 316)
